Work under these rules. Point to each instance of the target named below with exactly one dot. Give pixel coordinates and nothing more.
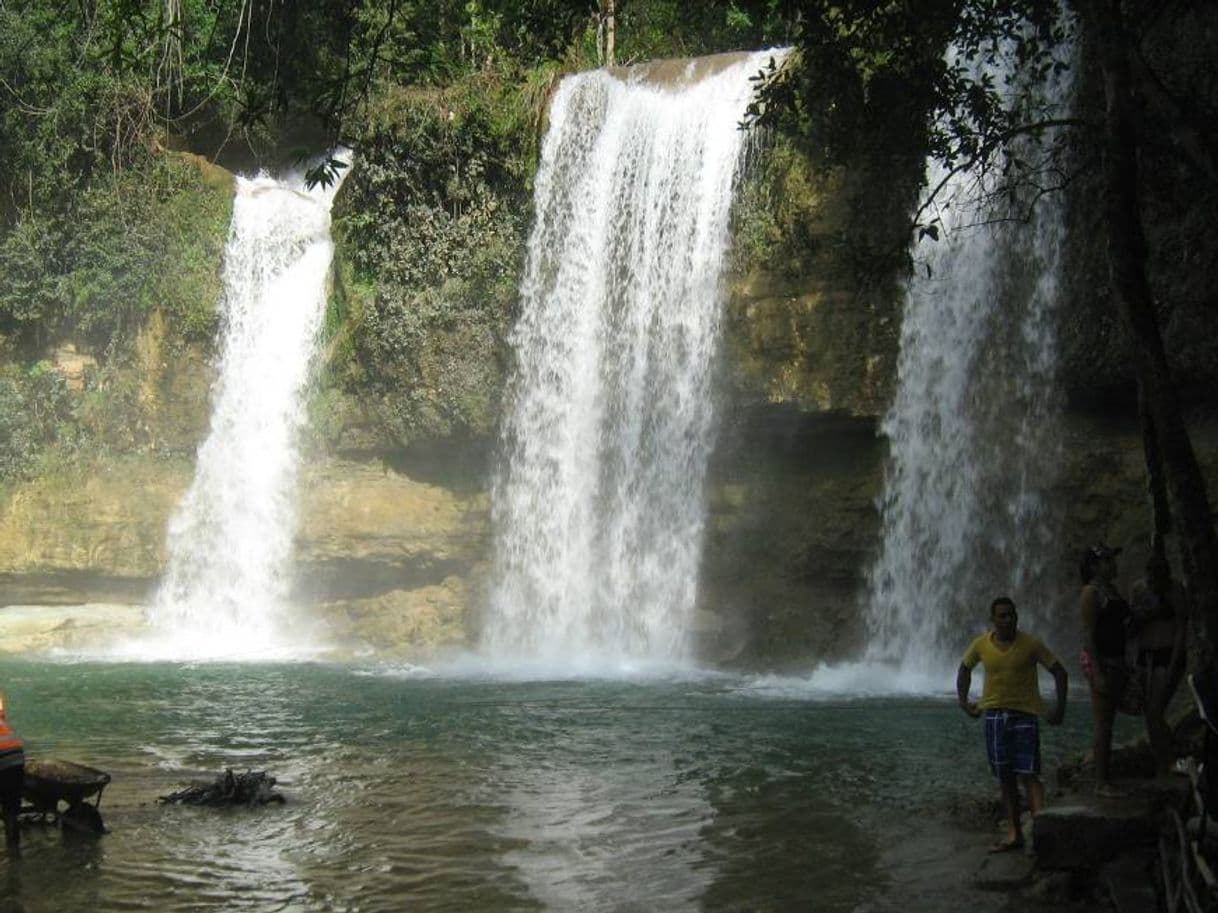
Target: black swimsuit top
(1110, 626)
(1161, 608)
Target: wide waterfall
(972, 431)
(225, 590)
(598, 508)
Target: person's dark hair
(1002, 600)
(1092, 556)
(1086, 567)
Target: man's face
(1004, 619)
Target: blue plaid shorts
(1012, 742)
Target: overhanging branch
(984, 153)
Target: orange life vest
(9, 740)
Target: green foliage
(435, 215)
(440, 42)
(17, 444)
(872, 85)
(434, 220)
(193, 221)
(847, 223)
(68, 116)
(30, 294)
(35, 416)
(108, 412)
(774, 212)
(669, 28)
(116, 250)
(444, 100)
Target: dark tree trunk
(1156, 482)
(1189, 502)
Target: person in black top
(1105, 615)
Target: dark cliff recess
(792, 524)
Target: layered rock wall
(393, 548)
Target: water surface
(415, 791)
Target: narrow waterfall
(225, 589)
(972, 430)
(598, 506)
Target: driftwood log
(254, 787)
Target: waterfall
(973, 428)
(225, 590)
(598, 506)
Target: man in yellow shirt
(1010, 701)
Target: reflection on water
(579, 817)
(438, 794)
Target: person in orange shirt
(1010, 702)
(12, 778)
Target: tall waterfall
(598, 507)
(972, 430)
(225, 590)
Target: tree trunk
(1187, 495)
(1156, 483)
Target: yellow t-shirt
(1010, 674)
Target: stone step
(1129, 882)
(1085, 831)
(1003, 871)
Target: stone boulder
(1090, 832)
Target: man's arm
(964, 681)
(1061, 684)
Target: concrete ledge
(1090, 832)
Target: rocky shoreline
(1083, 853)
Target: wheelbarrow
(51, 782)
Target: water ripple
(454, 795)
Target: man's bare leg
(1103, 709)
(1010, 802)
(1158, 732)
(1036, 793)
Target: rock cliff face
(383, 559)
(393, 563)
(809, 343)
(393, 546)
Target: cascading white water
(598, 508)
(972, 430)
(225, 589)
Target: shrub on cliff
(36, 415)
(93, 268)
(433, 223)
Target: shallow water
(415, 791)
